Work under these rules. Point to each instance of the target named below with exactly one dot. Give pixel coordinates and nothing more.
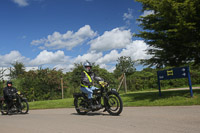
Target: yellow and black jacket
(88, 78)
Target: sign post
(174, 73)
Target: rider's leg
(19, 104)
(9, 103)
(89, 92)
(98, 105)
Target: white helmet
(87, 66)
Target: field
(142, 98)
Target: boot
(91, 106)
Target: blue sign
(174, 73)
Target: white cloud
(91, 56)
(8, 59)
(21, 2)
(128, 16)
(109, 58)
(136, 50)
(46, 57)
(67, 40)
(114, 39)
(147, 12)
(64, 67)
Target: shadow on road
(92, 114)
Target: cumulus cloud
(64, 67)
(136, 50)
(21, 3)
(109, 58)
(114, 39)
(46, 57)
(12, 57)
(67, 40)
(147, 12)
(91, 56)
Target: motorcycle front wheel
(24, 107)
(114, 104)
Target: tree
(124, 65)
(2, 71)
(18, 69)
(173, 31)
(42, 84)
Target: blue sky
(59, 33)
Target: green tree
(18, 70)
(173, 31)
(42, 84)
(124, 65)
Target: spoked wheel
(4, 108)
(80, 105)
(114, 104)
(24, 107)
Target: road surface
(169, 119)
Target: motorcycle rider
(87, 80)
(8, 93)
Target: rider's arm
(15, 90)
(97, 78)
(5, 92)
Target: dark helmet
(87, 66)
(9, 82)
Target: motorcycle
(19, 104)
(103, 98)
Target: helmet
(9, 82)
(87, 66)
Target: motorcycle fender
(77, 94)
(112, 92)
(24, 99)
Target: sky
(59, 33)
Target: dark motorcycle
(19, 104)
(103, 98)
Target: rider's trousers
(88, 91)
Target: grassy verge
(50, 104)
(168, 98)
(143, 98)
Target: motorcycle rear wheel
(4, 108)
(80, 105)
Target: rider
(87, 81)
(9, 92)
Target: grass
(143, 98)
(50, 104)
(168, 98)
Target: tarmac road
(169, 119)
